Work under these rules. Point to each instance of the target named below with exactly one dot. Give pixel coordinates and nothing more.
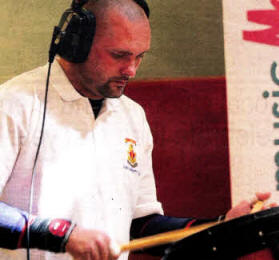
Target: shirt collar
(112, 104)
(61, 83)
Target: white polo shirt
(96, 172)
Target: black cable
(31, 195)
(52, 52)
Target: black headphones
(73, 37)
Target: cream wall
(187, 37)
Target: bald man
(94, 180)
(87, 186)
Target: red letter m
(268, 17)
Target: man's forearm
(156, 223)
(45, 234)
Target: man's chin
(117, 91)
(112, 90)
(115, 95)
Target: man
(82, 170)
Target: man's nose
(129, 70)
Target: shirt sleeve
(147, 202)
(12, 223)
(10, 135)
(15, 111)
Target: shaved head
(128, 8)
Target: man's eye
(117, 55)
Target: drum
(231, 239)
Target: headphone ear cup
(77, 37)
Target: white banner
(251, 34)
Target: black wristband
(49, 234)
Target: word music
(268, 36)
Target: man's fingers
(248, 207)
(272, 205)
(260, 196)
(89, 244)
(263, 195)
(84, 257)
(102, 244)
(96, 253)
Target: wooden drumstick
(163, 238)
(171, 236)
(257, 206)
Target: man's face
(116, 53)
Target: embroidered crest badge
(132, 156)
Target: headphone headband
(78, 4)
(143, 4)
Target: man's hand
(245, 207)
(89, 245)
